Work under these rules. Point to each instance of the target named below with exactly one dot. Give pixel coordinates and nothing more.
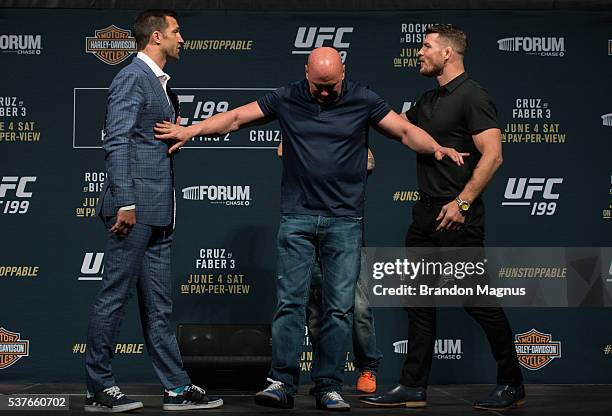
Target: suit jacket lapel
(174, 100)
(155, 85)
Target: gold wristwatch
(464, 206)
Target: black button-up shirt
(451, 114)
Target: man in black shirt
(450, 213)
(324, 120)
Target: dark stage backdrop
(549, 74)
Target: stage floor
(442, 400)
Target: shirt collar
(454, 83)
(313, 99)
(154, 67)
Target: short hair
(454, 35)
(148, 22)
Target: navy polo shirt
(324, 147)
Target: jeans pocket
(359, 219)
(293, 217)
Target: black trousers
(422, 321)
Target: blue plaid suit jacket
(138, 168)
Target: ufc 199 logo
(201, 111)
(538, 193)
(309, 38)
(15, 190)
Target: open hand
(174, 134)
(451, 153)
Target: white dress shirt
(159, 73)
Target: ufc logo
(92, 267)
(13, 182)
(521, 192)
(317, 36)
(525, 188)
(309, 38)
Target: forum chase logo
(12, 348)
(540, 46)
(21, 44)
(111, 45)
(230, 195)
(444, 349)
(535, 350)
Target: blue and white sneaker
(332, 400)
(190, 397)
(110, 400)
(275, 395)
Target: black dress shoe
(502, 397)
(400, 396)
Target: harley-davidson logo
(111, 45)
(535, 349)
(12, 348)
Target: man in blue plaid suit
(137, 206)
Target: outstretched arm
(416, 138)
(216, 125)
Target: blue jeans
(367, 354)
(337, 240)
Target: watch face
(464, 206)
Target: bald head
(325, 73)
(324, 63)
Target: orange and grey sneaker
(366, 383)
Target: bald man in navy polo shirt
(324, 119)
